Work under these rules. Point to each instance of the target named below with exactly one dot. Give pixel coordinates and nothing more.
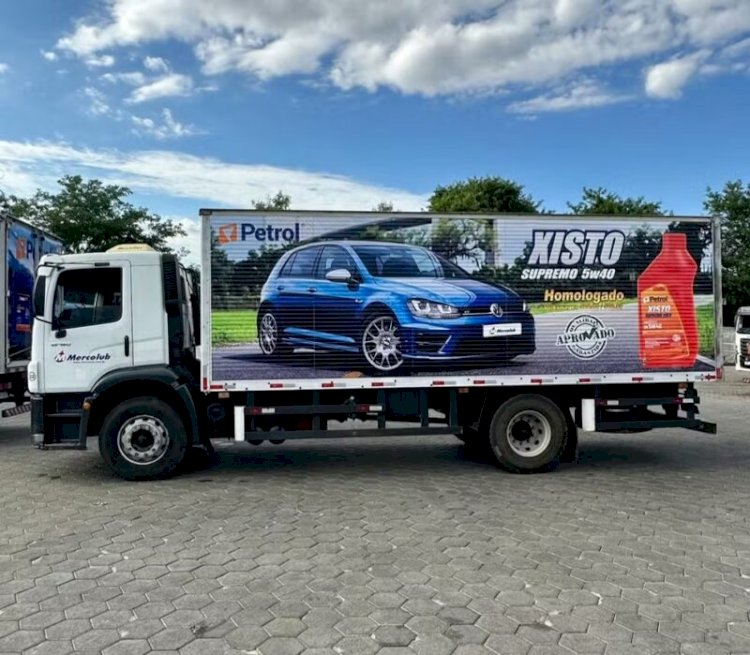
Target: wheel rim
(529, 433)
(381, 344)
(269, 334)
(143, 440)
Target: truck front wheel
(143, 439)
(527, 434)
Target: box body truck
(512, 332)
(24, 245)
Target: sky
(343, 104)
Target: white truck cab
(742, 338)
(108, 325)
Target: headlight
(429, 309)
(524, 306)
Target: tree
(732, 206)
(474, 239)
(383, 206)
(90, 216)
(602, 202)
(483, 194)
(281, 202)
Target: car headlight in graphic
(428, 309)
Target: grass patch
(538, 308)
(230, 326)
(706, 328)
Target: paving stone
(391, 635)
(246, 638)
(285, 627)
(20, 640)
(171, 638)
(49, 647)
(96, 640)
(128, 647)
(320, 637)
(280, 646)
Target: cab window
(86, 297)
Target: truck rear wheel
(143, 439)
(527, 434)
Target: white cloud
(49, 55)
(586, 93)
(667, 79)
(167, 128)
(203, 179)
(156, 64)
(133, 78)
(427, 47)
(98, 105)
(4, 68)
(102, 61)
(172, 84)
(191, 241)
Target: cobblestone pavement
(384, 546)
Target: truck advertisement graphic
(319, 297)
(25, 245)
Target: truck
(24, 245)
(512, 332)
(742, 339)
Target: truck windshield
(742, 324)
(394, 261)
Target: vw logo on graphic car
(496, 309)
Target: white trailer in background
(24, 245)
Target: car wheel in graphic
(527, 434)
(269, 335)
(381, 343)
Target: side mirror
(339, 275)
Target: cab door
(90, 333)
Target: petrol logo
(266, 232)
(227, 233)
(585, 337)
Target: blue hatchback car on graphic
(388, 303)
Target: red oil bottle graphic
(668, 329)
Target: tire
(380, 343)
(527, 434)
(143, 439)
(269, 335)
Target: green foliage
(474, 239)
(90, 216)
(602, 202)
(281, 202)
(384, 206)
(483, 195)
(732, 206)
(234, 326)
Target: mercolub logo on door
(96, 358)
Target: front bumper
(463, 338)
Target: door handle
(312, 290)
(127, 346)
(281, 288)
